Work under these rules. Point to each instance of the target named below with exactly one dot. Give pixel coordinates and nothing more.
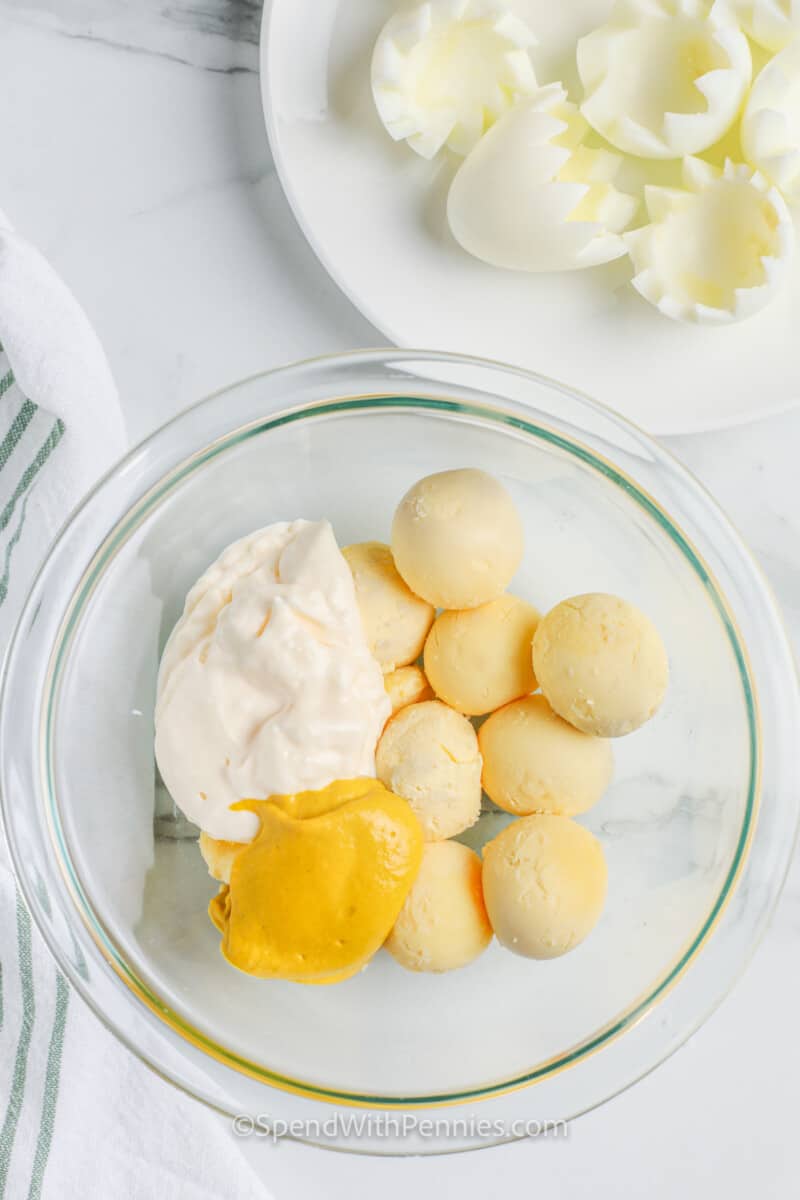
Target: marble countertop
(134, 156)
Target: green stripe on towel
(30, 473)
(10, 547)
(18, 426)
(52, 1079)
(17, 1096)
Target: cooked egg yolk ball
(457, 538)
(480, 658)
(219, 856)
(443, 923)
(601, 664)
(396, 622)
(534, 762)
(406, 685)
(544, 884)
(317, 891)
(428, 753)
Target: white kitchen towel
(79, 1115)
(59, 363)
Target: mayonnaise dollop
(267, 685)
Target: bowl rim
(127, 525)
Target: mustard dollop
(316, 892)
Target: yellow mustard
(317, 891)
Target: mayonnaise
(266, 685)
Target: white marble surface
(133, 153)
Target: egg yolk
(316, 892)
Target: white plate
(374, 213)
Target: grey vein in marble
(215, 35)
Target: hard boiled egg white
(664, 78)
(716, 251)
(532, 197)
(771, 123)
(770, 23)
(444, 71)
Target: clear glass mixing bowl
(698, 826)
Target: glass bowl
(697, 828)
